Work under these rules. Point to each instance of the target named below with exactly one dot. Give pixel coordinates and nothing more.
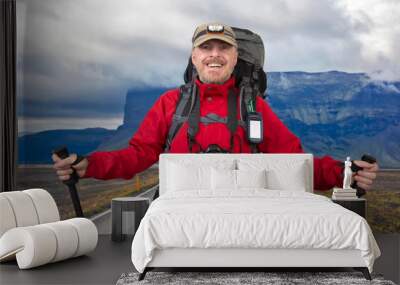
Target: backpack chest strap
(210, 118)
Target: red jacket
(149, 140)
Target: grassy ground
(383, 202)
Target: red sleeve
(279, 139)
(144, 147)
(328, 173)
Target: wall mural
(88, 87)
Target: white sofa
(31, 231)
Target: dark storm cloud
(93, 51)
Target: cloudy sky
(77, 58)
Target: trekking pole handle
(355, 168)
(63, 153)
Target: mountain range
(336, 113)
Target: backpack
(251, 81)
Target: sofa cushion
(67, 240)
(23, 208)
(7, 220)
(45, 205)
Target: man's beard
(212, 79)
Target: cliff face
(324, 98)
(340, 114)
(137, 104)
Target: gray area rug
(229, 278)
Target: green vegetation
(383, 211)
(383, 202)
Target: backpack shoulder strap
(181, 112)
(232, 118)
(193, 119)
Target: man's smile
(214, 65)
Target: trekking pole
(63, 153)
(355, 168)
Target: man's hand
(366, 176)
(64, 166)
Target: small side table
(357, 205)
(121, 209)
